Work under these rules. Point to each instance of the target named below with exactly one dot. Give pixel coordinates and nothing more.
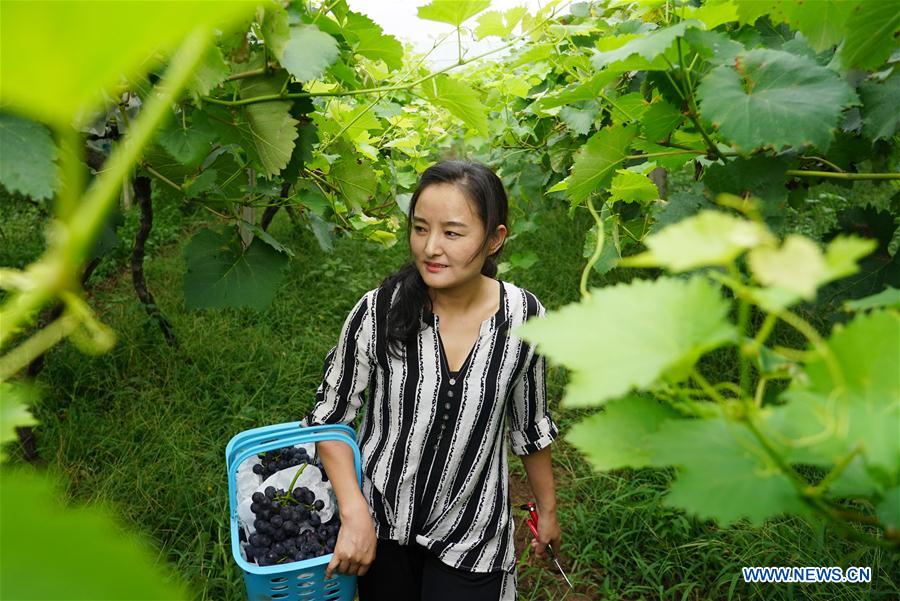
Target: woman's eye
(453, 234)
(418, 229)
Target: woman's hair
(484, 190)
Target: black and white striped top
(434, 447)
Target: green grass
(143, 428)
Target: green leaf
(355, 178)
(660, 329)
(628, 108)
(705, 239)
(889, 509)
(29, 157)
(103, 562)
(887, 298)
(221, 273)
(660, 120)
(454, 12)
(647, 46)
(880, 101)
(211, 73)
(821, 22)
(587, 90)
(679, 206)
(269, 128)
(712, 14)
(620, 435)
(499, 24)
(850, 400)
(715, 47)
(767, 103)
(578, 120)
(597, 159)
(797, 266)
(15, 398)
(203, 182)
(187, 146)
(458, 98)
(759, 176)
(65, 72)
(628, 186)
(307, 53)
(723, 472)
(368, 39)
(609, 255)
(871, 34)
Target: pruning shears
(532, 522)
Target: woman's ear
(497, 239)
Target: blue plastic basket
(299, 580)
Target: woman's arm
(539, 468)
(354, 551)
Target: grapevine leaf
(849, 400)
(887, 298)
(706, 239)
(499, 24)
(269, 127)
(597, 159)
(647, 46)
(660, 120)
(355, 178)
(712, 14)
(307, 53)
(628, 108)
(822, 22)
(619, 436)
(458, 98)
(680, 320)
(724, 473)
(871, 34)
(203, 182)
(888, 510)
(29, 154)
(369, 40)
(759, 176)
(209, 74)
(609, 256)
(588, 90)
(715, 47)
(454, 12)
(679, 206)
(187, 146)
(108, 565)
(578, 120)
(766, 103)
(15, 399)
(797, 266)
(629, 186)
(221, 273)
(880, 101)
(65, 72)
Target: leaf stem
(36, 345)
(161, 177)
(598, 249)
(844, 176)
(707, 387)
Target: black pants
(413, 573)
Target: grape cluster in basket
(280, 459)
(289, 528)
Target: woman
(446, 383)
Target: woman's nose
(432, 245)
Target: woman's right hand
(354, 551)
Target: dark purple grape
(323, 532)
(319, 505)
(279, 535)
(315, 520)
(298, 494)
(258, 497)
(278, 549)
(258, 468)
(276, 506)
(255, 507)
(271, 557)
(276, 521)
(289, 527)
(270, 492)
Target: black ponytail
(485, 190)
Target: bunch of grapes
(280, 459)
(289, 528)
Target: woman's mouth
(434, 267)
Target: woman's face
(446, 237)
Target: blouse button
(450, 393)
(452, 381)
(447, 406)
(446, 417)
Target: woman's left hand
(548, 533)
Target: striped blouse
(433, 446)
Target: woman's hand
(548, 534)
(354, 551)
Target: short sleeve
(347, 369)
(531, 427)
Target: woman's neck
(463, 299)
